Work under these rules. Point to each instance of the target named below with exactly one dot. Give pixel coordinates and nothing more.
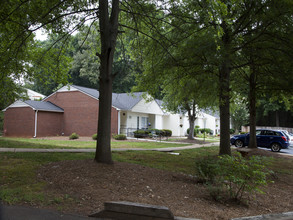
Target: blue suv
(274, 139)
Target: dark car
(274, 139)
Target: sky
(40, 35)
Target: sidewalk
(87, 150)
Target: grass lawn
(201, 138)
(43, 143)
(19, 183)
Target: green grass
(19, 182)
(207, 139)
(184, 162)
(53, 144)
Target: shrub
(233, 176)
(119, 137)
(206, 169)
(196, 130)
(157, 131)
(232, 131)
(73, 136)
(167, 132)
(140, 133)
(95, 136)
(206, 130)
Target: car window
(270, 133)
(258, 132)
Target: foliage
(196, 130)
(206, 130)
(141, 133)
(148, 133)
(95, 137)
(206, 169)
(73, 136)
(233, 177)
(166, 132)
(232, 131)
(1, 122)
(120, 137)
(239, 114)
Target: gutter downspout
(118, 122)
(36, 123)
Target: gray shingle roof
(92, 92)
(126, 101)
(123, 101)
(44, 106)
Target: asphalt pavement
(28, 213)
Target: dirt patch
(194, 141)
(88, 185)
(179, 140)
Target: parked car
(276, 140)
(290, 136)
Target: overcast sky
(40, 35)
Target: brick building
(61, 113)
(75, 109)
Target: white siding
(159, 122)
(67, 88)
(34, 95)
(206, 121)
(147, 107)
(132, 119)
(172, 122)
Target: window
(144, 122)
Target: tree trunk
(252, 108)
(191, 126)
(277, 119)
(191, 118)
(224, 79)
(108, 33)
(224, 96)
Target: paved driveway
(288, 151)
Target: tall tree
(108, 31)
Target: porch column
(159, 122)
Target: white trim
(118, 122)
(46, 110)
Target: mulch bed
(86, 185)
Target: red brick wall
(19, 122)
(49, 124)
(80, 113)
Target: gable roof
(122, 101)
(36, 105)
(126, 101)
(44, 106)
(92, 92)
